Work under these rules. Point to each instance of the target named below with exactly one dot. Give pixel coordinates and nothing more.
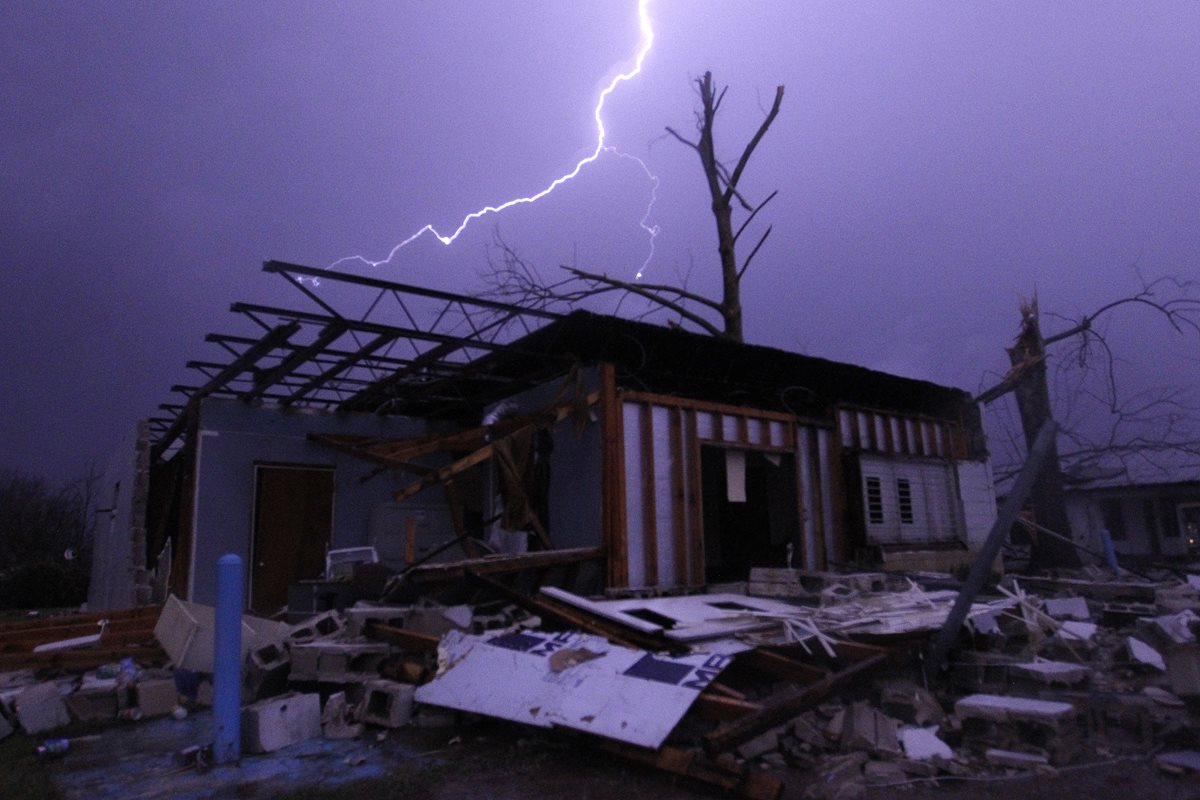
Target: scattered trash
(819, 678)
(53, 747)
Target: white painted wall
(977, 492)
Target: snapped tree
(1143, 426)
(515, 280)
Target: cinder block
(41, 708)
(865, 728)
(89, 705)
(387, 703)
(156, 697)
(204, 693)
(266, 671)
(1052, 672)
(336, 719)
(1020, 723)
(327, 625)
(338, 662)
(306, 660)
(185, 631)
(1183, 669)
(273, 724)
(997, 708)
(1067, 608)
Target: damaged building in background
(437, 428)
(1151, 510)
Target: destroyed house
(1150, 508)
(438, 428)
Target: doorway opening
(293, 524)
(750, 509)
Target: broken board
(616, 692)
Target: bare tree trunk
(1028, 358)
(722, 188)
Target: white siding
(977, 493)
(918, 501)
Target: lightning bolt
(646, 42)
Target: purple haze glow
(935, 161)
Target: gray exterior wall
(119, 577)
(575, 469)
(234, 437)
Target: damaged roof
(368, 345)
(686, 364)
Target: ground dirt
(504, 762)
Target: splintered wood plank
(446, 472)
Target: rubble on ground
(817, 684)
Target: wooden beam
(785, 705)
(83, 659)
(446, 472)
(678, 495)
(716, 408)
(817, 480)
(695, 505)
(612, 478)
(499, 564)
(403, 637)
(649, 500)
(718, 707)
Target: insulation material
(735, 476)
(825, 473)
(618, 693)
(664, 498)
(635, 529)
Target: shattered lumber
(84, 659)
(567, 615)
(24, 635)
(991, 548)
(402, 637)
(791, 702)
(492, 565)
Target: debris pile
(811, 680)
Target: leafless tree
(513, 279)
(1103, 431)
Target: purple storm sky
(936, 161)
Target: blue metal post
(227, 661)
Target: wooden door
(293, 522)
